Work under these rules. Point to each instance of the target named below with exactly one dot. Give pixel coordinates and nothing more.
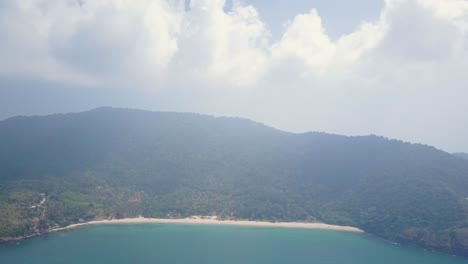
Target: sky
(395, 68)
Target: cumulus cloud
(140, 40)
(306, 41)
(109, 37)
(401, 75)
(222, 47)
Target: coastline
(212, 221)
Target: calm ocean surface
(172, 244)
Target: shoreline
(212, 221)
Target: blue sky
(395, 68)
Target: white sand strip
(211, 221)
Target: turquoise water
(172, 244)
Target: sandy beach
(214, 221)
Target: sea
(205, 244)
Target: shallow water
(172, 243)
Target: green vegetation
(114, 163)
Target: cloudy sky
(397, 68)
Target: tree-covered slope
(461, 155)
(122, 163)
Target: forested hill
(461, 155)
(65, 168)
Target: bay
(173, 244)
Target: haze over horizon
(394, 68)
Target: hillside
(461, 155)
(66, 168)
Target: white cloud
(107, 38)
(306, 41)
(222, 47)
(24, 49)
(140, 40)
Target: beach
(213, 221)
